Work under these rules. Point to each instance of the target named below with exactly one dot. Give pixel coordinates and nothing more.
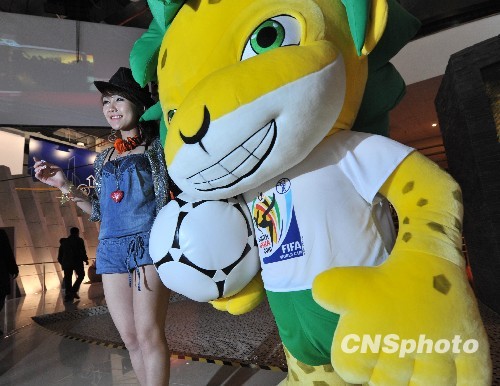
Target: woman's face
(120, 113)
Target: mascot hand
(244, 301)
(423, 310)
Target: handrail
(46, 262)
(41, 262)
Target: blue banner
(77, 163)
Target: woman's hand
(49, 174)
(53, 175)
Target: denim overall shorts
(126, 225)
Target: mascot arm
(418, 304)
(245, 300)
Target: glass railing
(40, 277)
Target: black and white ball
(204, 250)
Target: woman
(131, 187)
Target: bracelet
(69, 195)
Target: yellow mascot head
(249, 88)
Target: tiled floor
(32, 355)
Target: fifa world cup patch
(277, 231)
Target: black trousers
(68, 278)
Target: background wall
(466, 115)
(48, 66)
(428, 56)
(47, 69)
(39, 221)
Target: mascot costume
(286, 102)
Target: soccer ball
(204, 250)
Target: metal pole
(43, 279)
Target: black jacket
(8, 264)
(72, 252)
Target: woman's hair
(150, 129)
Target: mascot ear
(376, 25)
(388, 27)
(367, 22)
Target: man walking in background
(72, 255)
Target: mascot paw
(244, 301)
(412, 320)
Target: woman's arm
(156, 159)
(70, 192)
(53, 175)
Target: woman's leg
(119, 299)
(150, 312)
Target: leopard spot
(408, 187)
(406, 220)
(305, 368)
(441, 284)
(328, 369)
(457, 195)
(422, 202)
(436, 227)
(406, 237)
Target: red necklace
(130, 143)
(122, 146)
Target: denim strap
(136, 251)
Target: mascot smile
(286, 103)
(299, 86)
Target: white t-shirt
(325, 212)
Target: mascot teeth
(239, 163)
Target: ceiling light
(81, 144)
(434, 124)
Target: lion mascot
(286, 103)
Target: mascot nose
(202, 131)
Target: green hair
(144, 54)
(357, 16)
(384, 88)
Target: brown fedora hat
(123, 81)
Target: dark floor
(33, 355)
(82, 347)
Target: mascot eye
(170, 115)
(277, 32)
